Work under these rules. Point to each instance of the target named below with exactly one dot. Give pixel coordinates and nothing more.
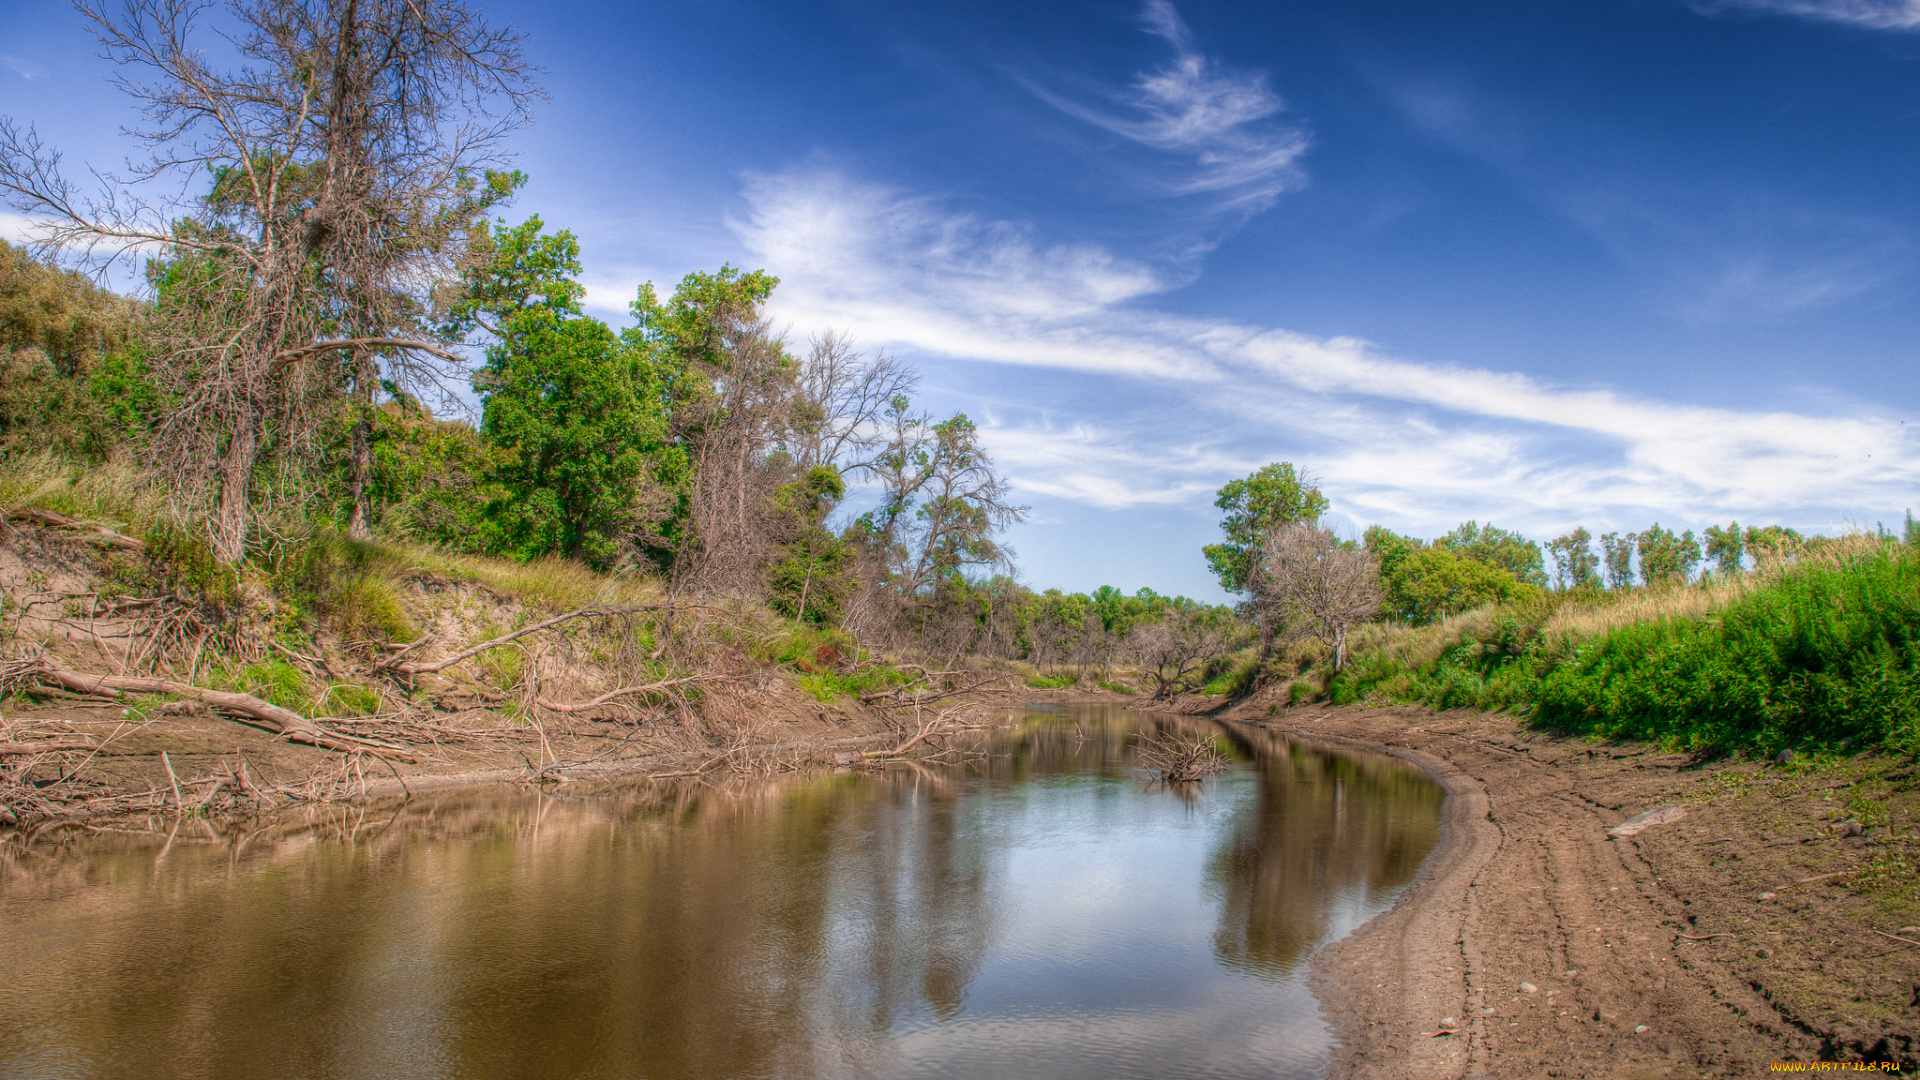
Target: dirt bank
(1748, 932)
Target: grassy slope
(1820, 655)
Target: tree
(320, 194)
(1274, 497)
(1576, 566)
(1497, 547)
(1175, 649)
(576, 412)
(1667, 557)
(1618, 552)
(1773, 542)
(942, 503)
(1327, 585)
(1725, 547)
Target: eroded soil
(1751, 931)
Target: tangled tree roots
(1178, 758)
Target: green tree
(1497, 547)
(1773, 542)
(1666, 556)
(1576, 565)
(1725, 547)
(576, 413)
(1274, 497)
(814, 578)
(1618, 553)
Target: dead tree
(1330, 587)
(312, 201)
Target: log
(58, 520)
(8, 749)
(285, 723)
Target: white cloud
(15, 229)
(1221, 119)
(1393, 437)
(30, 70)
(1872, 14)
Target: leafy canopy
(1272, 498)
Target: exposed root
(97, 532)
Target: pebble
(1448, 1021)
(1783, 757)
(1764, 954)
(1641, 1030)
(1908, 930)
(1488, 1011)
(1764, 897)
(1529, 988)
(1853, 828)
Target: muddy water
(1042, 912)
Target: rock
(1852, 828)
(1783, 757)
(1764, 954)
(1763, 897)
(1529, 988)
(1639, 823)
(846, 759)
(1908, 930)
(1641, 1030)
(1448, 1021)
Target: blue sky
(1540, 263)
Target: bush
(1825, 656)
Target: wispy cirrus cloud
(1871, 14)
(1161, 408)
(1729, 250)
(1221, 120)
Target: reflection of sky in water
(1046, 914)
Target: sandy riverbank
(1647, 957)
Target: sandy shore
(1549, 950)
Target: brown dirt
(1664, 931)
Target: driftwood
(931, 729)
(285, 723)
(58, 520)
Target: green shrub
(1051, 682)
(272, 680)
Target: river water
(1044, 911)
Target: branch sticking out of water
(1179, 758)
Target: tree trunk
(359, 526)
(236, 482)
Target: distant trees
(1498, 548)
(1576, 566)
(1666, 556)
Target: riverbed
(1039, 908)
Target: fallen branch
(58, 520)
(394, 663)
(22, 748)
(285, 723)
(624, 691)
(928, 730)
(1897, 937)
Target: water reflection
(1042, 911)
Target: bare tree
(841, 396)
(1309, 575)
(1176, 649)
(309, 203)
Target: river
(1041, 911)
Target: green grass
(1824, 656)
(1051, 682)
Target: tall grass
(1820, 653)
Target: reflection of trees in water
(757, 929)
(753, 927)
(1326, 832)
